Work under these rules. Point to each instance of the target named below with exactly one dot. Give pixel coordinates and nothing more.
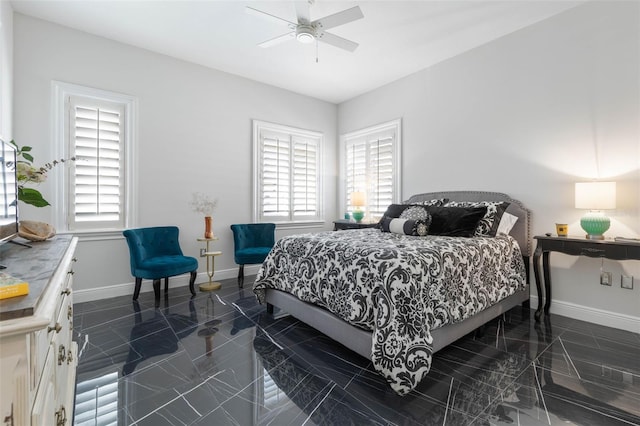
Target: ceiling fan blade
(302, 11)
(270, 17)
(339, 18)
(338, 41)
(277, 40)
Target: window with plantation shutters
(371, 165)
(97, 181)
(287, 174)
(96, 127)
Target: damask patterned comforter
(399, 287)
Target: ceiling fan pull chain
(316, 50)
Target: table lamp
(357, 201)
(595, 196)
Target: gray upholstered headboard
(521, 231)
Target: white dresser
(38, 358)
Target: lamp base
(594, 237)
(595, 224)
(358, 215)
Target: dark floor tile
(219, 359)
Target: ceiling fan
(307, 31)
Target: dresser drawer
(44, 403)
(58, 330)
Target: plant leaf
(26, 148)
(32, 196)
(27, 157)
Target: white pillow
(506, 223)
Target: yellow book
(12, 287)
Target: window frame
(347, 140)
(61, 93)
(291, 220)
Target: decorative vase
(208, 228)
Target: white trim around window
(64, 97)
(370, 162)
(287, 184)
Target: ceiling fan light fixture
(305, 34)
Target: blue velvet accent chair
(155, 253)
(252, 244)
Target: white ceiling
(396, 38)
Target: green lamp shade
(358, 215)
(595, 224)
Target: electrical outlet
(605, 278)
(626, 281)
(202, 252)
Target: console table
(609, 249)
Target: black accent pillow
(488, 225)
(455, 221)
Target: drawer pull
(69, 357)
(62, 354)
(75, 259)
(71, 272)
(589, 250)
(70, 312)
(57, 328)
(61, 416)
(67, 291)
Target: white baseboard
(125, 289)
(594, 315)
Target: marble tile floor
(220, 359)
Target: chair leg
(241, 276)
(166, 285)
(156, 288)
(136, 291)
(192, 281)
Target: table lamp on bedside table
(595, 196)
(357, 201)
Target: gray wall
(529, 115)
(194, 134)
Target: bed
(397, 299)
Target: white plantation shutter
(8, 201)
(371, 164)
(276, 175)
(96, 134)
(381, 174)
(287, 164)
(356, 179)
(305, 178)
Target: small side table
(211, 257)
(609, 249)
(343, 224)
